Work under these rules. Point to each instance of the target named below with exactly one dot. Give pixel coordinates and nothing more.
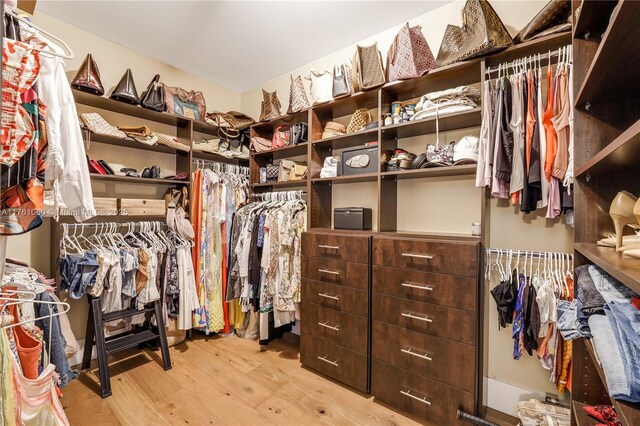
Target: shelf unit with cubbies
(383, 184)
(607, 160)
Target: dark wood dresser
(334, 330)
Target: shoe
(621, 212)
(626, 241)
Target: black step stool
(109, 346)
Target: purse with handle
(409, 56)
(367, 64)
(259, 144)
(153, 97)
(482, 32)
(555, 17)
(188, 104)
(270, 107)
(340, 84)
(87, 78)
(126, 90)
(298, 100)
(321, 86)
(299, 133)
(359, 119)
(281, 137)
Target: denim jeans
(568, 324)
(77, 273)
(610, 357)
(628, 341)
(54, 339)
(609, 287)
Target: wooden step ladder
(110, 345)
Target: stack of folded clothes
(461, 98)
(228, 149)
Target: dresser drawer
(342, 329)
(430, 400)
(437, 320)
(441, 359)
(339, 297)
(332, 271)
(339, 363)
(444, 257)
(354, 248)
(439, 289)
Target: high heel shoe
(633, 249)
(621, 212)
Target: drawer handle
(326, 271)
(421, 287)
(322, 246)
(328, 296)
(330, 327)
(421, 256)
(417, 398)
(324, 358)
(410, 352)
(410, 315)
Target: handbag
(340, 85)
(321, 86)
(485, 34)
(359, 119)
(259, 144)
(284, 172)
(272, 172)
(553, 18)
(188, 104)
(281, 137)
(153, 97)
(299, 133)
(409, 56)
(270, 106)
(367, 64)
(125, 90)
(298, 100)
(87, 78)
(298, 172)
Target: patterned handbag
(298, 172)
(272, 172)
(270, 107)
(555, 17)
(188, 104)
(367, 63)
(298, 100)
(409, 56)
(285, 170)
(359, 119)
(485, 34)
(281, 137)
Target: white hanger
(31, 26)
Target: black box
(352, 218)
(369, 151)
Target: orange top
(549, 130)
(531, 121)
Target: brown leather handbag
(554, 18)
(270, 107)
(126, 91)
(153, 97)
(482, 33)
(298, 100)
(188, 104)
(87, 78)
(409, 56)
(367, 64)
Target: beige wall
(112, 60)
(450, 205)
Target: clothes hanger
(30, 26)
(42, 302)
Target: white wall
(453, 202)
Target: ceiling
(236, 44)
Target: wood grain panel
(339, 297)
(336, 246)
(338, 272)
(348, 331)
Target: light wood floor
(221, 381)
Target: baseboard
(504, 397)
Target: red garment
(29, 348)
(549, 130)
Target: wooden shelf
(628, 413)
(129, 143)
(289, 119)
(621, 154)
(348, 105)
(446, 122)
(531, 47)
(137, 180)
(210, 156)
(593, 18)
(623, 268)
(349, 140)
(206, 128)
(612, 75)
(365, 177)
(284, 152)
(462, 170)
(287, 184)
(581, 417)
(101, 102)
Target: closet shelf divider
(593, 18)
(137, 180)
(462, 170)
(364, 177)
(349, 140)
(447, 122)
(129, 143)
(625, 269)
(284, 152)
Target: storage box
(352, 218)
(366, 164)
(106, 206)
(140, 207)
